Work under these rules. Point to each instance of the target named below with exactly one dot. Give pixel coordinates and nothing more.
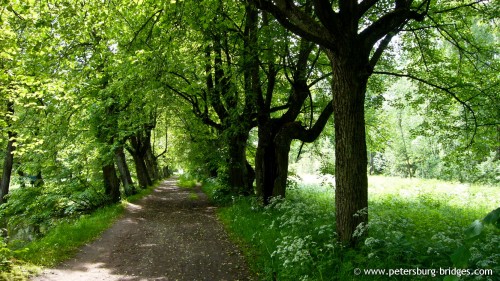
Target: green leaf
(474, 229)
(461, 256)
(451, 278)
(493, 217)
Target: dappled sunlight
(131, 207)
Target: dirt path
(171, 234)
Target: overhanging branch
(447, 90)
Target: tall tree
(224, 101)
(355, 35)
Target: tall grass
(413, 224)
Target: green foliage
(32, 211)
(5, 256)
(186, 181)
(493, 218)
(412, 225)
(463, 255)
(217, 192)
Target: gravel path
(172, 234)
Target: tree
(278, 122)
(355, 35)
(224, 101)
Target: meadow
(418, 229)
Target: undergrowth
(186, 181)
(413, 224)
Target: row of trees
(72, 108)
(227, 86)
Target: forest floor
(172, 234)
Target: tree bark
(138, 152)
(265, 171)
(351, 180)
(151, 163)
(121, 163)
(8, 160)
(7, 168)
(111, 182)
(240, 177)
(141, 171)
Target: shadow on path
(170, 234)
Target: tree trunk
(121, 163)
(111, 182)
(240, 178)
(283, 141)
(408, 164)
(151, 164)
(141, 171)
(251, 176)
(7, 168)
(351, 180)
(9, 159)
(265, 167)
(138, 152)
(372, 163)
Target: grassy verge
(413, 224)
(185, 181)
(64, 240)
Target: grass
(64, 240)
(185, 181)
(413, 224)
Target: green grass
(413, 223)
(193, 196)
(185, 181)
(64, 240)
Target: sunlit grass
(185, 181)
(65, 239)
(413, 223)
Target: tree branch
(388, 23)
(143, 26)
(461, 6)
(443, 89)
(381, 48)
(364, 6)
(296, 20)
(324, 12)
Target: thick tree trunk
(265, 167)
(111, 182)
(251, 176)
(7, 168)
(138, 152)
(151, 164)
(283, 141)
(121, 163)
(141, 171)
(240, 177)
(351, 179)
